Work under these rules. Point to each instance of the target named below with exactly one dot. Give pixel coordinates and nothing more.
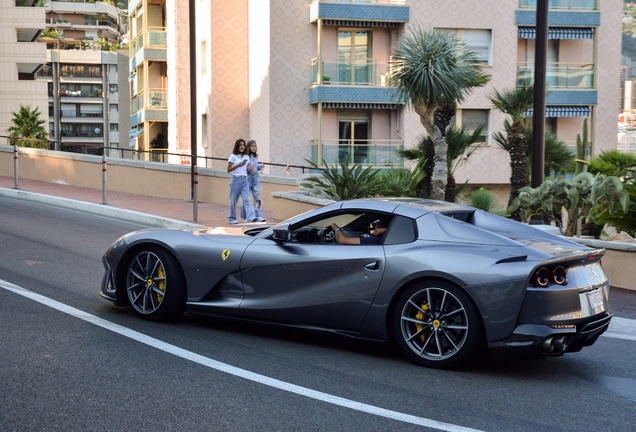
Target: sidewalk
(141, 208)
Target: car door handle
(373, 266)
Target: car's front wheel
(436, 324)
(155, 285)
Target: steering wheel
(327, 235)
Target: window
(353, 57)
(204, 131)
(477, 40)
(112, 88)
(113, 68)
(355, 224)
(471, 119)
(114, 127)
(114, 108)
(354, 135)
(204, 58)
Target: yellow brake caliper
(420, 316)
(162, 284)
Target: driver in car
(376, 231)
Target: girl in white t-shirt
(239, 185)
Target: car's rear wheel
(436, 325)
(155, 284)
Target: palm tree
(559, 159)
(27, 129)
(614, 163)
(459, 141)
(515, 103)
(424, 154)
(432, 68)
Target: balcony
(351, 72)
(559, 75)
(151, 44)
(74, 114)
(561, 4)
(157, 99)
(365, 152)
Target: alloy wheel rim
(434, 324)
(146, 282)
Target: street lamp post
(193, 109)
(540, 77)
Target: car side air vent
(513, 259)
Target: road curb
(99, 209)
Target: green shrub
(345, 182)
(401, 182)
(485, 200)
(578, 196)
(621, 220)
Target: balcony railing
(157, 98)
(95, 22)
(382, 153)
(351, 72)
(390, 2)
(72, 71)
(74, 113)
(155, 37)
(559, 75)
(561, 4)
(91, 132)
(81, 71)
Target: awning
(558, 33)
(563, 111)
(350, 23)
(134, 133)
(359, 105)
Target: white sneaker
(260, 219)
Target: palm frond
(485, 200)
(459, 141)
(514, 102)
(433, 67)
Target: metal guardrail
(105, 152)
(162, 156)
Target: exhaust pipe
(548, 345)
(559, 343)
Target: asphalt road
(72, 361)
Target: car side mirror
(282, 232)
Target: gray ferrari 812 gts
(445, 282)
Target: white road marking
(232, 370)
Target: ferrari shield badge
(225, 254)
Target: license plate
(595, 298)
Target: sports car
(445, 282)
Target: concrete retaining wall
(132, 176)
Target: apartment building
(85, 83)
(307, 79)
(20, 58)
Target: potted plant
(326, 79)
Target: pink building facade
(308, 79)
